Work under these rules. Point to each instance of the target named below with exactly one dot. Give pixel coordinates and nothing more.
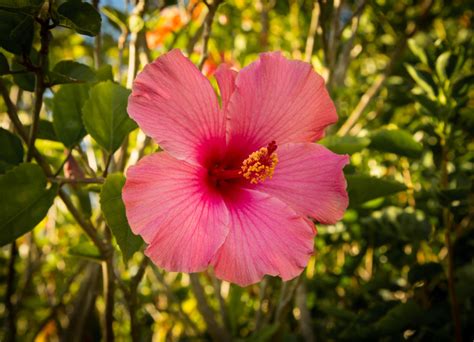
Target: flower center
(256, 168)
(260, 164)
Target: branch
(207, 30)
(63, 180)
(313, 28)
(10, 307)
(217, 332)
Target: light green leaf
(25, 201)
(362, 188)
(346, 144)
(105, 115)
(423, 79)
(11, 151)
(80, 16)
(114, 211)
(396, 141)
(418, 51)
(86, 250)
(67, 113)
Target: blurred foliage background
(399, 266)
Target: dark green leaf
(105, 73)
(11, 151)
(71, 72)
(346, 144)
(462, 85)
(67, 113)
(23, 6)
(25, 201)
(25, 80)
(17, 32)
(105, 115)
(45, 130)
(399, 318)
(363, 188)
(396, 141)
(80, 16)
(426, 271)
(4, 68)
(114, 211)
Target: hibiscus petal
(265, 236)
(176, 105)
(169, 204)
(225, 77)
(309, 178)
(279, 99)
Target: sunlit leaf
(423, 79)
(25, 200)
(105, 115)
(345, 144)
(86, 250)
(114, 211)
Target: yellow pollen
(259, 165)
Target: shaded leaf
(80, 16)
(71, 72)
(362, 188)
(67, 113)
(17, 32)
(114, 211)
(23, 6)
(4, 68)
(401, 317)
(396, 141)
(11, 151)
(345, 144)
(105, 115)
(45, 130)
(25, 201)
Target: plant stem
(109, 289)
(10, 307)
(207, 30)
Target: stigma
(260, 164)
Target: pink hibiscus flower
(236, 183)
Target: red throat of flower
(256, 168)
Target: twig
(109, 289)
(313, 28)
(217, 291)
(133, 299)
(40, 86)
(107, 164)
(173, 298)
(60, 168)
(207, 30)
(217, 332)
(10, 307)
(305, 316)
(97, 41)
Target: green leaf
(25, 80)
(71, 72)
(67, 113)
(25, 201)
(445, 65)
(418, 51)
(80, 16)
(399, 318)
(23, 6)
(362, 188)
(114, 211)
(423, 79)
(105, 73)
(462, 85)
(345, 144)
(396, 141)
(17, 32)
(11, 152)
(86, 250)
(45, 130)
(105, 115)
(4, 68)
